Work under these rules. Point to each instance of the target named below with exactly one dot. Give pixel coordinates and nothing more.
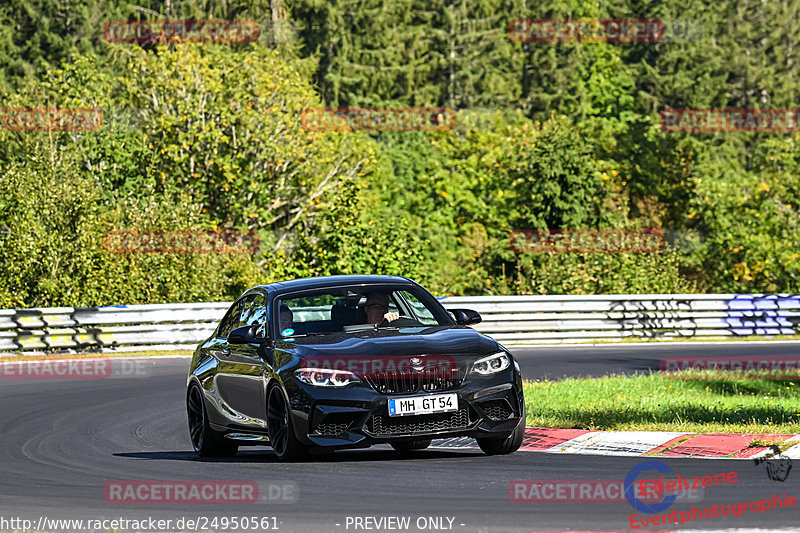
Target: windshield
(356, 309)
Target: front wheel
(205, 441)
(280, 428)
(508, 444)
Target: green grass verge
(658, 403)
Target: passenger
(377, 308)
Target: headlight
(491, 364)
(326, 377)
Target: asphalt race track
(64, 440)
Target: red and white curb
(638, 443)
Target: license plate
(423, 405)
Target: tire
(281, 429)
(508, 444)
(205, 441)
(407, 446)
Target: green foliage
(493, 174)
(558, 135)
(350, 238)
(36, 35)
(752, 220)
(54, 219)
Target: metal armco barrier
(119, 327)
(559, 319)
(509, 319)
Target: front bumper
(357, 415)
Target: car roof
(323, 282)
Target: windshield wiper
(318, 334)
(357, 328)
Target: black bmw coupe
(347, 362)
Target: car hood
(439, 340)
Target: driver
(377, 308)
(286, 318)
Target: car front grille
(333, 430)
(497, 409)
(332, 424)
(380, 425)
(433, 379)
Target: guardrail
(509, 319)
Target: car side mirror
(465, 317)
(244, 335)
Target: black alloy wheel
(205, 441)
(508, 444)
(280, 428)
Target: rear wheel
(508, 444)
(205, 441)
(407, 446)
(280, 428)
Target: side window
(254, 312)
(421, 313)
(393, 308)
(230, 321)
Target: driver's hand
(389, 317)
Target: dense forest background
(548, 135)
